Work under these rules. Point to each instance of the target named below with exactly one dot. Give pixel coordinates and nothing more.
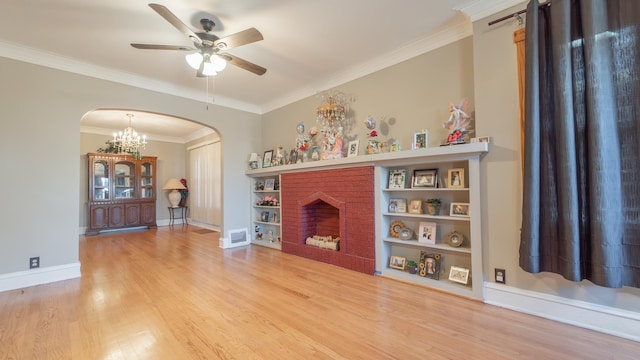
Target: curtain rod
(516, 15)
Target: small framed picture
(455, 239)
(421, 140)
(428, 232)
(425, 178)
(266, 159)
(459, 275)
(293, 156)
(415, 206)
(459, 209)
(429, 265)
(395, 147)
(456, 178)
(270, 184)
(397, 262)
(264, 216)
(395, 227)
(352, 148)
(396, 178)
(397, 205)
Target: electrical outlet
(34, 262)
(501, 276)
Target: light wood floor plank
(171, 293)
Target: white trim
(605, 319)
(484, 8)
(22, 279)
(150, 137)
(203, 143)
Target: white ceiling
(309, 45)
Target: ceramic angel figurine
(459, 120)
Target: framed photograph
(397, 262)
(352, 148)
(396, 178)
(425, 178)
(264, 216)
(395, 227)
(459, 209)
(428, 233)
(455, 239)
(293, 156)
(429, 266)
(269, 184)
(459, 275)
(421, 140)
(456, 178)
(397, 205)
(415, 206)
(266, 159)
(395, 147)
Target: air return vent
(235, 238)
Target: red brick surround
(337, 202)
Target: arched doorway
(171, 139)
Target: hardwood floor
(171, 293)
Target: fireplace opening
(321, 225)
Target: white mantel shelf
(399, 158)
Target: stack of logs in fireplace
(324, 242)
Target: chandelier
(330, 113)
(129, 141)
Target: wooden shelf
(441, 247)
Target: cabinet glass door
(146, 180)
(125, 177)
(101, 180)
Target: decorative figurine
(459, 120)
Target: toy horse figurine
(459, 119)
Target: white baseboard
(605, 319)
(22, 279)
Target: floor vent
(235, 238)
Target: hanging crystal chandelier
(129, 141)
(330, 113)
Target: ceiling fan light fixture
(218, 63)
(194, 60)
(208, 69)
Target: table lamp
(253, 160)
(174, 195)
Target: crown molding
(150, 137)
(481, 9)
(47, 59)
(423, 45)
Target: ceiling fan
(210, 54)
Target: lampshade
(173, 184)
(253, 157)
(194, 60)
(208, 69)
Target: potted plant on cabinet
(412, 267)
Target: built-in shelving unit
(266, 219)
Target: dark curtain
(581, 205)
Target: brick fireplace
(336, 202)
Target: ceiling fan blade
(238, 39)
(161, 47)
(244, 64)
(173, 20)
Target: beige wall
(412, 95)
(40, 156)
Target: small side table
(183, 214)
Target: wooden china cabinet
(122, 192)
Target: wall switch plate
(34, 262)
(500, 276)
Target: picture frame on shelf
(455, 239)
(397, 205)
(269, 184)
(264, 216)
(397, 262)
(395, 147)
(397, 178)
(293, 156)
(459, 275)
(395, 227)
(459, 209)
(427, 233)
(421, 140)
(427, 178)
(415, 206)
(266, 158)
(456, 178)
(352, 148)
(405, 234)
(429, 266)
